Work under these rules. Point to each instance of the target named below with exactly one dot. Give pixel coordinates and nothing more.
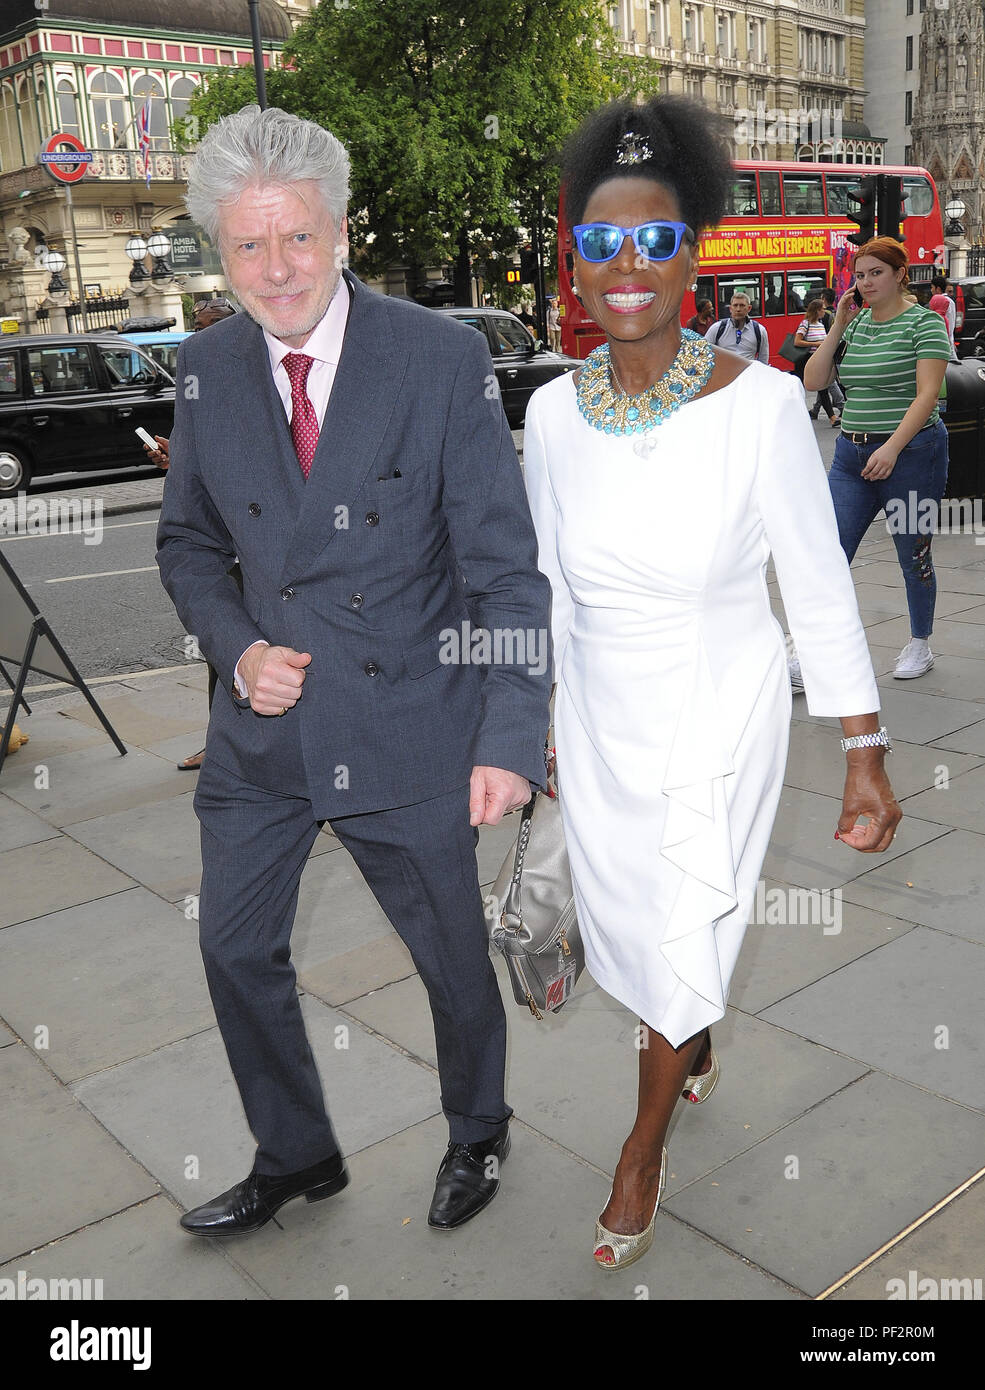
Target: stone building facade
(949, 115)
(789, 72)
(86, 67)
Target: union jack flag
(143, 134)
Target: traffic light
(513, 277)
(528, 267)
(865, 196)
(889, 205)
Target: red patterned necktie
(304, 421)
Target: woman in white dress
(660, 477)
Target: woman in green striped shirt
(892, 452)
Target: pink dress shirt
(325, 346)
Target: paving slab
(175, 749)
(157, 844)
(870, 1009)
(968, 615)
(61, 1170)
(950, 638)
(914, 716)
(816, 763)
(138, 1255)
(963, 580)
(150, 714)
(111, 980)
(968, 740)
(870, 1159)
(373, 1242)
(956, 677)
(336, 911)
(590, 1108)
(890, 600)
(963, 802)
(946, 1249)
(182, 1101)
(940, 885)
(6, 1036)
(52, 733)
(94, 782)
(359, 971)
(792, 941)
(804, 852)
(19, 827)
(45, 877)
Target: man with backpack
(739, 332)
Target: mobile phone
(857, 296)
(146, 438)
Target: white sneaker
(914, 660)
(796, 679)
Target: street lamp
(56, 263)
(159, 246)
(136, 249)
(954, 211)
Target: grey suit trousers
(419, 862)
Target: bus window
(774, 295)
(738, 284)
(839, 186)
(705, 289)
(802, 287)
(742, 197)
(919, 196)
(802, 195)
(769, 192)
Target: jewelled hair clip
(633, 149)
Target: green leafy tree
(454, 116)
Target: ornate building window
(109, 111)
(68, 107)
(148, 87)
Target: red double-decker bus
(783, 238)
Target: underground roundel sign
(66, 165)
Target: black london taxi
(71, 402)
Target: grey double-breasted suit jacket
(413, 522)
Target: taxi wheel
(15, 471)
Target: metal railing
(100, 313)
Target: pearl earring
(695, 285)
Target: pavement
(842, 1150)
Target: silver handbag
(530, 912)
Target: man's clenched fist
(273, 677)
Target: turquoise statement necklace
(614, 412)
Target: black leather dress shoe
(467, 1181)
(255, 1201)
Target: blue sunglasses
(655, 241)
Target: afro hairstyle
(689, 154)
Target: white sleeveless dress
(673, 701)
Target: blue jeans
(910, 497)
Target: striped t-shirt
(879, 368)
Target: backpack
(723, 324)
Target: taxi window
(8, 374)
(57, 370)
(509, 335)
(125, 367)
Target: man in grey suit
(371, 492)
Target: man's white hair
(253, 146)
